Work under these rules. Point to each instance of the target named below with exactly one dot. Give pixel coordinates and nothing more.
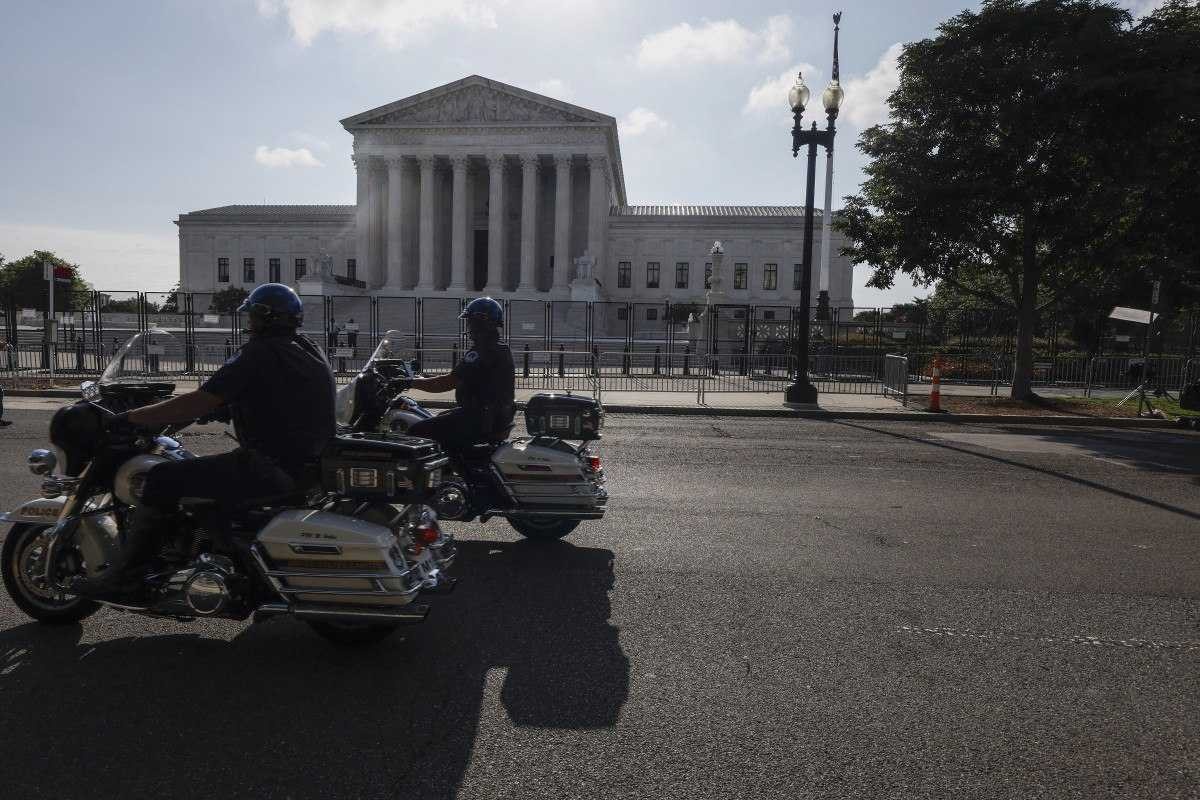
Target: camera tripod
(1150, 383)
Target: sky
(117, 116)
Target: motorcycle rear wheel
(542, 528)
(19, 563)
(353, 634)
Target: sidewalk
(745, 404)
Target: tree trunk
(1022, 383)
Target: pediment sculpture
(476, 104)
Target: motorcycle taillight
(594, 463)
(426, 535)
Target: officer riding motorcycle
(483, 383)
(279, 391)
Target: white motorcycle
(543, 484)
(354, 554)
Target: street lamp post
(802, 391)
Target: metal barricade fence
(1126, 372)
(659, 371)
(839, 374)
(738, 372)
(895, 377)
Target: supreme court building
(481, 187)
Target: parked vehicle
(354, 554)
(543, 484)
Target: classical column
(562, 223)
(425, 278)
(458, 225)
(371, 273)
(395, 223)
(597, 209)
(362, 211)
(529, 184)
(495, 279)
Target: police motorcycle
(354, 555)
(543, 484)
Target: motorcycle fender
(43, 511)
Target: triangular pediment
(475, 100)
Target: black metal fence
(642, 346)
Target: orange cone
(935, 390)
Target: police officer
(483, 383)
(279, 391)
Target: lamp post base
(800, 393)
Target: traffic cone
(935, 390)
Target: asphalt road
(771, 609)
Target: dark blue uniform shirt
(280, 390)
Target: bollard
(935, 390)
(191, 358)
(79, 355)
(454, 356)
(625, 363)
(562, 369)
(743, 363)
(656, 356)
(687, 359)
(228, 350)
(417, 365)
(525, 362)
(716, 361)
(595, 359)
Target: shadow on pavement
(278, 712)
(1137, 498)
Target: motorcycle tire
(39, 605)
(352, 635)
(543, 529)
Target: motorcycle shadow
(278, 712)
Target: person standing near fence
(4, 423)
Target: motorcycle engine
(452, 501)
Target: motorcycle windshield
(390, 347)
(153, 356)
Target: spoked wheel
(544, 528)
(353, 634)
(23, 564)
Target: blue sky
(116, 116)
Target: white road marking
(1184, 645)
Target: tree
(23, 283)
(1006, 167)
(227, 300)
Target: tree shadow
(1126, 495)
(279, 712)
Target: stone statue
(325, 266)
(584, 266)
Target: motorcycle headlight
(42, 462)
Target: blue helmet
(484, 309)
(274, 304)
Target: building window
(301, 268)
(797, 276)
(652, 275)
(771, 276)
(622, 314)
(624, 274)
(247, 270)
(651, 314)
(352, 269)
(707, 275)
(681, 274)
(768, 315)
(739, 275)
(273, 270)
(222, 270)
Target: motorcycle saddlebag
(381, 466)
(566, 416)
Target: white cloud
(770, 96)
(285, 157)
(1140, 8)
(396, 23)
(308, 140)
(553, 87)
(715, 42)
(640, 121)
(109, 260)
(866, 97)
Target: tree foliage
(1017, 164)
(227, 300)
(23, 283)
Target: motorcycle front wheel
(543, 528)
(350, 634)
(22, 565)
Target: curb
(788, 413)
